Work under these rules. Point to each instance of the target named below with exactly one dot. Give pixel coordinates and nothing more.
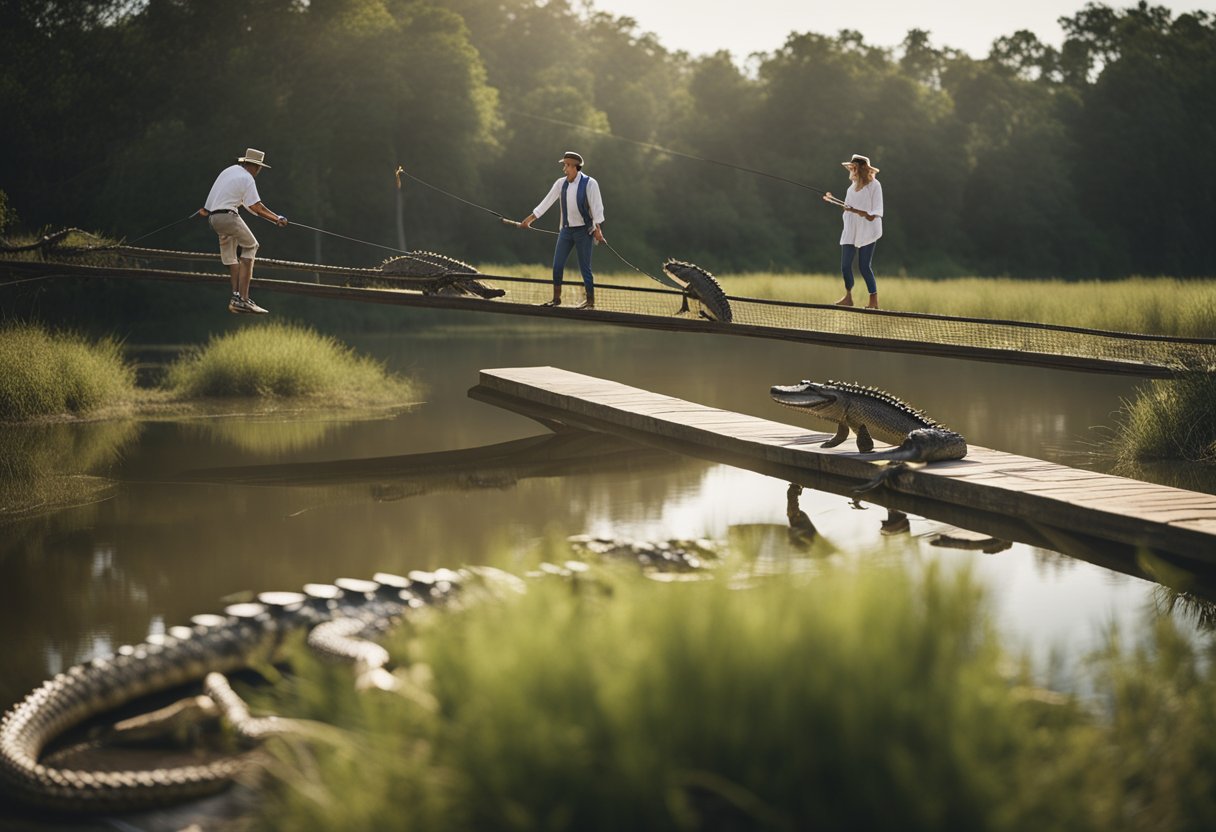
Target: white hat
(570, 154)
(253, 157)
(858, 158)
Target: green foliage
(1174, 419)
(876, 700)
(284, 360)
(53, 374)
(8, 216)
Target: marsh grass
(285, 361)
(1160, 305)
(45, 374)
(879, 700)
(1171, 419)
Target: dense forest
(1094, 159)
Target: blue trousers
(865, 257)
(577, 237)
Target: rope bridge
(653, 307)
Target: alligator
(438, 274)
(873, 414)
(339, 618)
(696, 282)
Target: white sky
(746, 26)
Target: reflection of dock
(489, 466)
(1098, 517)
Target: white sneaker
(236, 306)
(250, 306)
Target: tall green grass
(879, 700)
(52, 374)
(1161, 305)
(1172, 419)
(284, 360)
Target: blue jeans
(577, 237)
(865, 256)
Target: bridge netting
(657, 307)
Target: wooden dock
(1096, 516)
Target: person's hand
(827, 197)
(597, 234)
(869, 217)
(203, 212)
(281, 222)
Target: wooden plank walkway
(1017, 497)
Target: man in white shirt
(234, 187)
(582, 214)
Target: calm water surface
(164, 546)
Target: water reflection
(324, 500)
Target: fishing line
(401, 170)
(162, 228)
(668, 150)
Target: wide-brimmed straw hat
(253, 157)
(865, 160)
(570, 154)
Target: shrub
(45, 374)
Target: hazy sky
(746, 26)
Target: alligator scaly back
(439, 273)
(701, 285)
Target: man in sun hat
(234, 187)
(582, 215)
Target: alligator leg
(683, 305)
(842, 433)
(171, 721)
(865, 443)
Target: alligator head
(820, 399)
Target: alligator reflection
(497, 466)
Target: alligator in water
(339, 618)
(873, 414)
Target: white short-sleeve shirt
(858, 231)
(233, 188)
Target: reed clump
(881, 700)
(286, 361)
(44, 374)
(1171, 419)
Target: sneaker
(587, 304)
(250, 306)
(236, 306)
(554, 302)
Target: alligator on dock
(873, 414)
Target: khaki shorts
(233, 232)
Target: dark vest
(580, 198)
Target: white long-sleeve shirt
(594, 201)
(858, 231)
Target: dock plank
(1154, 517)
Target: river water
(173, 537)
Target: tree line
(1093, 159)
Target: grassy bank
(1161, 305)
(285, 361)
(1173, 419)
(45, 373)
(880, 700)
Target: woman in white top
(862, 226)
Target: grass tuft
(285, 361)
(879, 700)
(52, 374)
(1172, 419)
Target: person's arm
(875, 201)
(262, 211)
(596, 204)
(540, 209)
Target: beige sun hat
(865, 160)
(570, 154)
(253, 157)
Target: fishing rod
(401, 171)
(671, 152)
